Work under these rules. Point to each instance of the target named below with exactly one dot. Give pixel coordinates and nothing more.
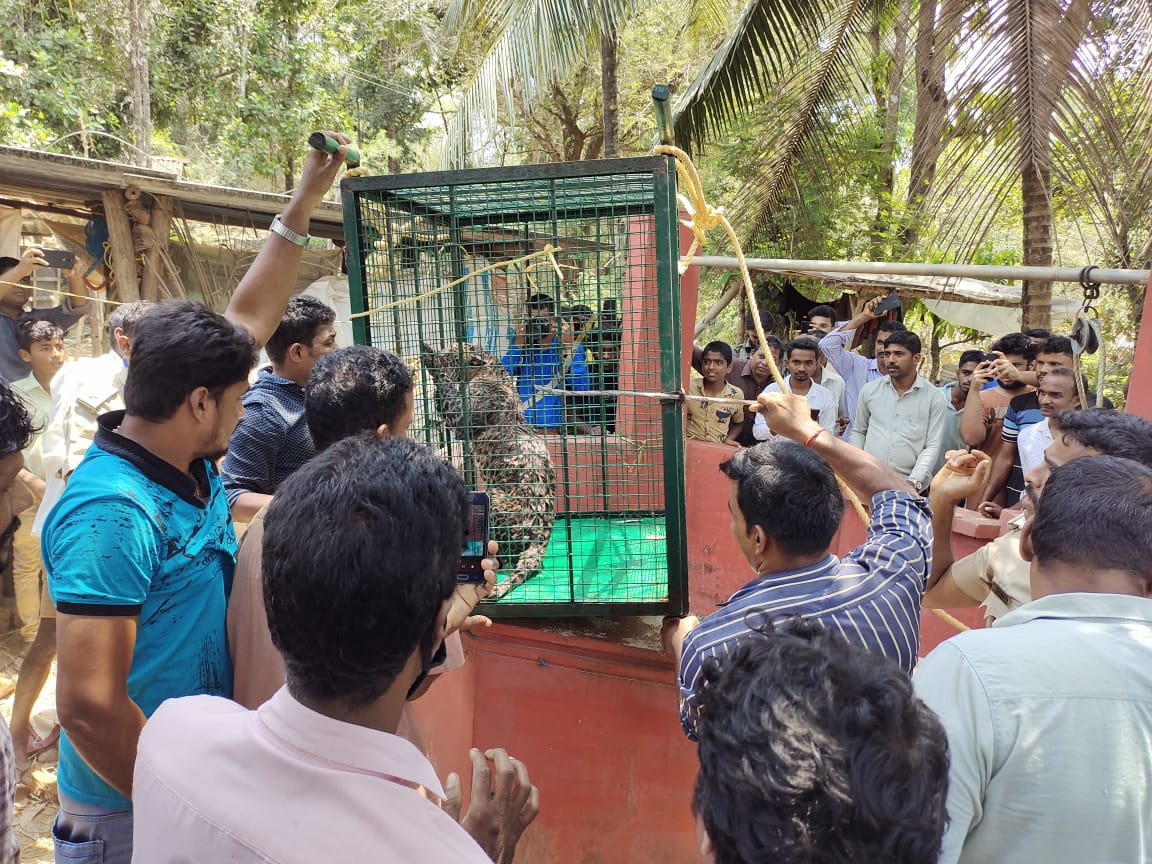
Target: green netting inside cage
(537, 309)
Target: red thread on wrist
(814, 436)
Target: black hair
(1110, 433)
(16, 426)
(361, 546)
(31, 330)
(7, 262)
(802, 343)
(352, 390)
(972, 356)
(767, 321)
(788, 491)
(890, 327)
(822, 312)
(302, 318)
(541, 302)
(1057, 345)
(814, 750)
(774, 342)
(180, 346)
(718, 347)
(907, 339)
(1015, 344)
(1038, 333)
(126, 317)
(1097, 514)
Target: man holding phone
(16, 291)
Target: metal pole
(910, 268)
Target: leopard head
(464, 372)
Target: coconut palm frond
(1029, 91)
(536, 42)
(759, 58)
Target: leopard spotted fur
(511, 459)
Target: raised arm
(973, 422)
(963, 474)
(1001, 470)
(260, 299)
(789, 415)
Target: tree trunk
(1036, 297)
(888, 110)
(138, 88)
(932, 45)
(611, 94)
(1040, 65)
(290, 174)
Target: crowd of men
(250, 701)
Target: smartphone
(476, 540)
(888, 304)
(61, 259)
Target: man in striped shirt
(786, 508)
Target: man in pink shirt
(362, 548)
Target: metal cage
(534, 305)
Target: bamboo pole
(912, 268)
(717, 308)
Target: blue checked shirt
(871, 597)
(271, 440)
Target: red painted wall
(1140, 386)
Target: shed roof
(34, 179)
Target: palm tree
(998, 85)
(1027, 100)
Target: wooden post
(123, 250)
(96, 322)
(161, 222)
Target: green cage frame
(403, 192)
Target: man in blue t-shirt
(139, 550)
(540, 357)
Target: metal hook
(1091, 289)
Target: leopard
(511, 457)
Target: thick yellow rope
(702, 218)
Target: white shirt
(216, 782)
(819, 399)
(1031, 443)
(1049, 721)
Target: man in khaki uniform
(996, 576)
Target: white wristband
(278, 227)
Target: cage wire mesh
(518, 369)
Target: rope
(949, 619)
(6, 283)
(702, 218)
(549, 251)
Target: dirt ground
(34, 812)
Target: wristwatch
(278, 227)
